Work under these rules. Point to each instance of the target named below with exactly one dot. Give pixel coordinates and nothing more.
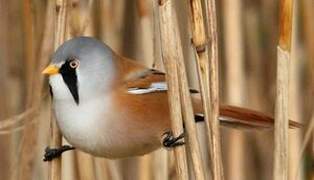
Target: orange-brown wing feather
(146, 78)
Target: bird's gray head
(81, 68)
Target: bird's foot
(51, 153)
(169, 141)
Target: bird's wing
(152, 81)
(148, 81)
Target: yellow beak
(51, 70)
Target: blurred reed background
(248, 37)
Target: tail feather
(237, 117)
(246, 118)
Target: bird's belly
(96, 130)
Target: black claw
(51, 153)
(170, 141)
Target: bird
(111, 106)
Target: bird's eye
(74, 63)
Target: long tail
(246, 118)
(243, 118)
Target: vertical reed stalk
(295, 95)
(145, 167)
(31, 134)
(101, 169)
(28, 49)
(69, 168)
(308, 31)
(85, 166)
(170, 55)
(308, 135)
(160, 165)
(145, 32)
(7, 142)
(182, 87)
(235, 76)
(214, 90)
(29, 139)
(56, 137)
(114, 167)
(255, 88)
(208, 74)
(281, 109)
(160, 157)
(188, 115)
(111, 24)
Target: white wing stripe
(154, 87)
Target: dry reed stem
(218, 173)
(160, 157)
(101, 169)
(68, 165)
(309, 34)
(156, 38)
(307, 138)
(199, 42)
(187, 112)
(145, 30)
(27, 120)
(112, 14)
(160, 165)
(295, 95)
(255, 88)
(285, 24)
(281, 109)
(10, 131)
(115, 169)
(145, 167)
(235, 78)
(170, 55)
(209, 86)
(56, 137)
(79, 17)
(85, 166)
(308, 31)
(308, 6)
(8, 143)
(142, 8)
(28, 49)
(189, 121)
(17, 119)
(46, 48)
(4, 14)
(29, 138)
(60, 26)
(55, 141)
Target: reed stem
(281, 110)
(170, 56)
(56, 137)
(216, 157)
(208, 77)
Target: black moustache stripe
(70, 78)
(50, 91)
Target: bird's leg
(169, 141)
(51, 153)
